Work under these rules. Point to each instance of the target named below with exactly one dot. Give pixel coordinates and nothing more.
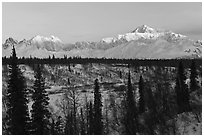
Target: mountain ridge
(156, 44)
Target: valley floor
(76, 81)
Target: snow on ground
(82, 82)
(188, 124)
(54, 88)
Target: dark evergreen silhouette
(65, 56)
(52, 128)
(181, 90)
(131, 111)
(98, 125)
(74, 116)
(69, 126)
(53, 57)
(40, 113)
(69, 68)
(18, 116)
(82, 124)
(131, 62)
(193, 77)
(90, 119)
(68, 81)
(141, 94)
(152, 118)
(120, 74)
(178, 94)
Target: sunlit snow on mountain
(142, 42)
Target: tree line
(79, 60)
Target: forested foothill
(90, 96)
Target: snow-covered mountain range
(143, 42)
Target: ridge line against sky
(73, 22)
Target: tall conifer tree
(40, 112)
(83, 130)
(98, 125)
(90, 119)
(193, 77)
(181, 89)
(131, 111)
(18, 116)
(141, 92)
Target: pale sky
(73, 22)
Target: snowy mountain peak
(145, 32)
(144, 29)
(40, 39)
(37, 38)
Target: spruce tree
(75, 113)
(90, 119)
(178, 94)
(193, 77)
(53, 56)
(82, 123)
(98, 125)
(69, 68)
(181, 89)
(68, 81)
(152, 118)
(131, 111)
(40, 113)
(18, 115)
(69, 126)
(141, 94)
(120, 74)
(52, 130)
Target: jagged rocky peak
(10, 42)
(23, 41)
(144, 29)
